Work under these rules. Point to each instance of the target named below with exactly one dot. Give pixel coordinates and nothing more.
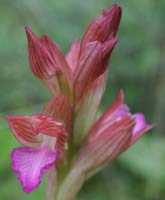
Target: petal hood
(59, 108)
(29, 129)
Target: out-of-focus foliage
(137, 65)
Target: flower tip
(27, 190)
(30, 35)
(121, 95)
(150, 126)
(114, 9)
(116, 6)
(141, 123)
(9, 118)
(28, 30)
(114, 40)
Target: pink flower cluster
(68, 129)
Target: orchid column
(66, 138)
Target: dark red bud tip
(113, 16)
(27, 28)
(30, 35)
(104, 26)
(116, 6)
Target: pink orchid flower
(77, 82)
(111, 134)
(44, 139)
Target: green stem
(51, 184)
(71, 185)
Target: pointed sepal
(59, 108)
(41, 62)
(73, 55)
(24, 129)
(58, 58)
(104, 26)
(93, 62)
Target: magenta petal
(140, 122)
(30, 164)
(140, 127)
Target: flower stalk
(51, 186)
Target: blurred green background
(137, 65)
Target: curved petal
(109, 136)
(107, 49)
(23, 128)
(41, 62)
(101, 149)
(59, 108)
(49, 126)
(54, 128)
(58, 57)
(116, 112)
(140, 128)
(90, 56)
(26, 129)
(73, 55)
(88, 67)
(30, 164)
(48, 63)
(93, 62)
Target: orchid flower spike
(77, 82)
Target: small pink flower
(110, 135)
(44, 139)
